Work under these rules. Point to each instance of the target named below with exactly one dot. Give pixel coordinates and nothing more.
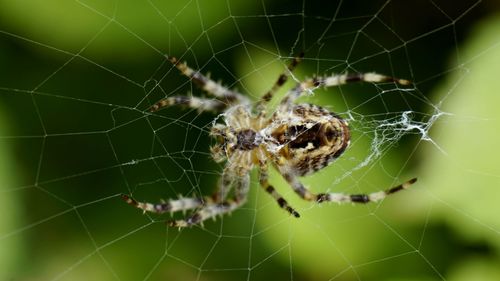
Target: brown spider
(298, 140)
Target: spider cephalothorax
(297, 139)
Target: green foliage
(463, 180)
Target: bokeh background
(77, 77)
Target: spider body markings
(297, 139)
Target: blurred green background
(76, 78)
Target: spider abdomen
(312, 138)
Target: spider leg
(184, 204)
(305, 194)
(362, 198)
(193, 102)
(296, 185)
(207, 84)
(224, 187)
(181, 204)
(280, 81)
(263, 180)
(213, 209)
(311, 84)
(242, 187)
(210, 210)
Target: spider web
(78, 77)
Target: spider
(297, 140)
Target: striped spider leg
(206, 207)
(279, 82)
(309, 85)
(223, 97)
(211, 209)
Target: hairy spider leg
(208, 85)
(241, 188)
(224, 187)
(280, 81)
(296, 185)
(305, 194)
(213, 209)
(181, 204)
(202, 104)
(263, 180)
(363, 198)
(311, 84)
